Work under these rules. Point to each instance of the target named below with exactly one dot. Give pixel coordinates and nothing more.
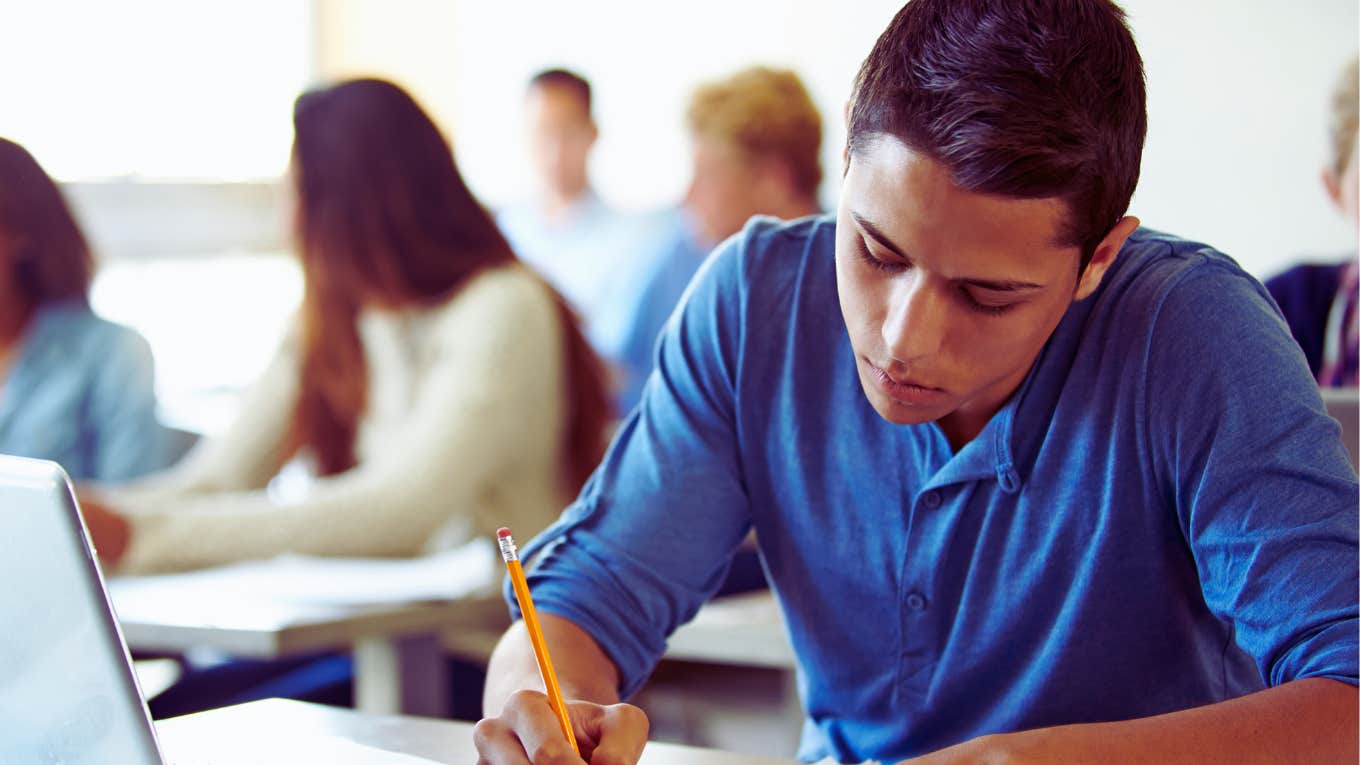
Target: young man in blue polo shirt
(1032, 484)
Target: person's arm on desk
(109, 531)
(1310, 720)
(520, 727)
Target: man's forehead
(906, 194)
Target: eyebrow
(994, 285)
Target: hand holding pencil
(543, 728)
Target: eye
(984, 308)
(862, 250)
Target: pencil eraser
(502, 532)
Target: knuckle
(632, 716)
(551, 753)
(485, 731)
(524, 697)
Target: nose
(917, 320)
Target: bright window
(154, 88)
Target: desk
(744, 630)
(399, 665)
(739, 630)
(200, 738)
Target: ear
(1332, 184)
(845, 150)
(1104, 256)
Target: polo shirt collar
(989, 456)
(1007, 447)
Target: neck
(13, 319)
(556, 202)
(795, 206)
(12, 324)
(965, 423)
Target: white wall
(643, 59)
(160, 89)
(1238, 101)
(1238, 94)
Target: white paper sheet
(329, 750)
(319, 582)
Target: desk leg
(377, 678)
(792, 711)
(401, 676)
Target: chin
(901, 414)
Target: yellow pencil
(526, 607)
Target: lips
(905, 390)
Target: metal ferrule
(508, 552)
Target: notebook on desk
(68, 693)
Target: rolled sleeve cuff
(1333, 652)
(583, 589)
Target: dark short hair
(566, 79)
(1022, 98)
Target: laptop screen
(67, 692)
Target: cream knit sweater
(462, 434)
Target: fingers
(528, 733)
(622, 733)
(540, 735)
(497, 744)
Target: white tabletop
(744, 630)
(387, 613)
(273, 609)
(261, 729)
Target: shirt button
(932, 499)
(916, 601)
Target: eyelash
(885, 267)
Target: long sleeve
(1263, 488)
(491, 394)
(654, 530)
(244, 457)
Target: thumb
(613, 735)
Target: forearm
(1306, 721)
(584, 672)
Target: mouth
(905, 390)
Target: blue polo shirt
(1161, 517)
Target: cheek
(862, 302)
(990, 348)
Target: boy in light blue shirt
(1032, 483)
(81, 392)
(74, 388)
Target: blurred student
(755, 138)
(1319, 301)
(74, 388)
(432, 386)
(1021, 496)
(566, 232)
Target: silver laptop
(1343, 404)
(67, 690)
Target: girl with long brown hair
(433, 388)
